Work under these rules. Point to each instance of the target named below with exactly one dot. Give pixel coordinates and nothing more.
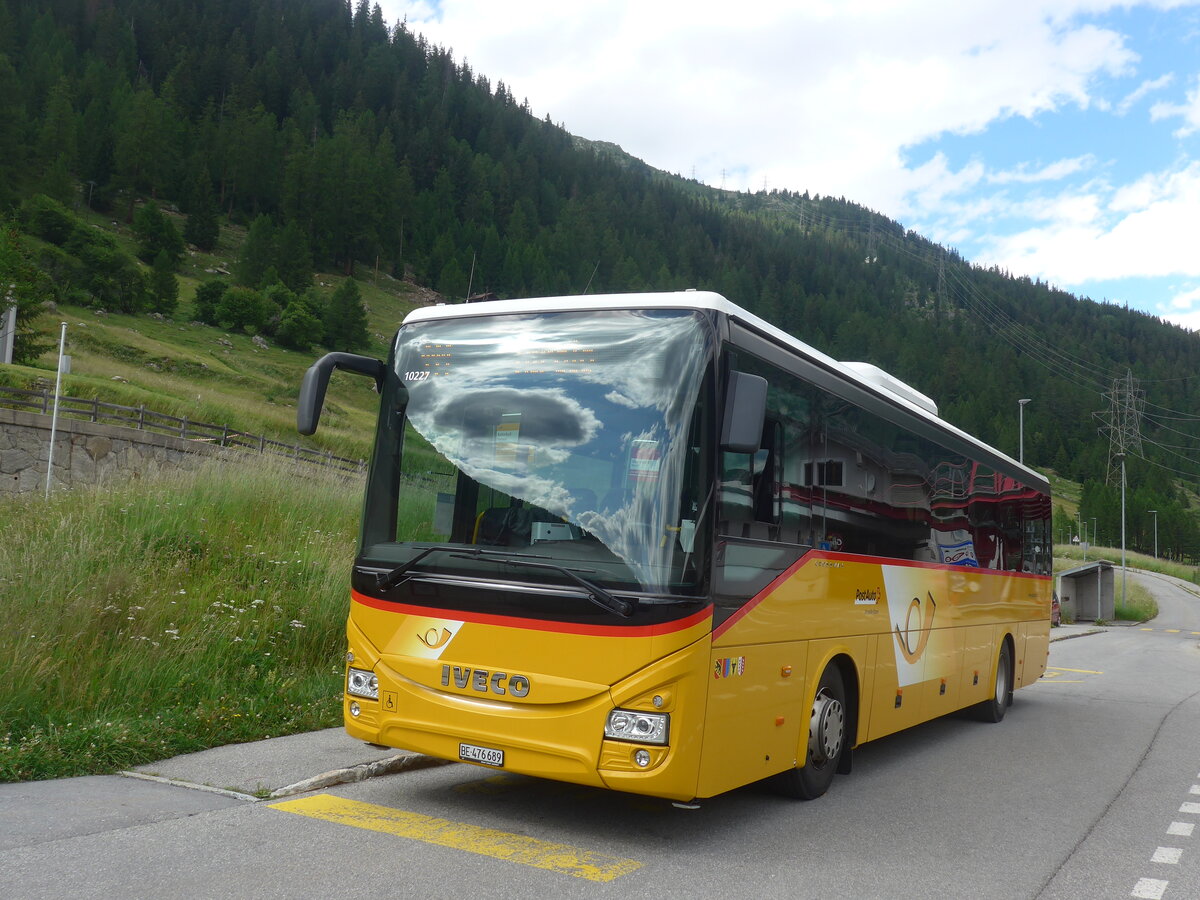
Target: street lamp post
(1154, 512)
(1021, 407)
(1094, 541)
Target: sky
(1056, 139)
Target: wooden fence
(143, 419)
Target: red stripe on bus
(855, 558)
(537, 624)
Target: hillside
(297, 136)
(181, 367)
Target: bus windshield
(564, 440)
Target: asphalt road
(1086, 790)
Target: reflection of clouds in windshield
(640, 357)
(620, 399)
(650, 378)
(543, 492)
(463, 426)
(641, 373)
(547, 417)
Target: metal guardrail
(142, 419)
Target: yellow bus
(650, 542)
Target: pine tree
(164, 286)
(257, 254)
(346, 318)
(156, 234)
(24, 285)
(201, 228)
(293, 259)
(12, 124)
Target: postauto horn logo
(918, 623)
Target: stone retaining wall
(84, 452)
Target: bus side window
(737, 506)
(750, 485)
(767, 471)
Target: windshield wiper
(389, 580)
(671, 601)
(591, 590)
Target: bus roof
(862, 374)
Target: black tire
(994, 708)
(827, 737)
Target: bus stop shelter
(1086, 592)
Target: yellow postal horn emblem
(904, 639)
(433, 640)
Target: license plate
(485, 755)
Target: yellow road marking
(1173, 630)
(1147, 629)
(516, 848)
(1079, 671)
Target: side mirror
(316, 381)
(745, 410)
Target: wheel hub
(826, 728)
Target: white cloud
(1055, 171)
(1189, 111)
(1145, 229)
(1143, 90)
(1184, 309)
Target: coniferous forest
(340, 142)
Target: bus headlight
(640, 727)
(362, 683)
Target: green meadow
(171, 614)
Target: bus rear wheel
(993, 709)
(827, 730)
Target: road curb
(208, 788)
(407, 762)
(1077, 634)
(404, 762)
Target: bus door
(756, 698)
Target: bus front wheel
(993, 709)
(827, 730)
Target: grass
(1139, 605)
(187, 610)
(1066, 557)
(184, 369)
(171, 615)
